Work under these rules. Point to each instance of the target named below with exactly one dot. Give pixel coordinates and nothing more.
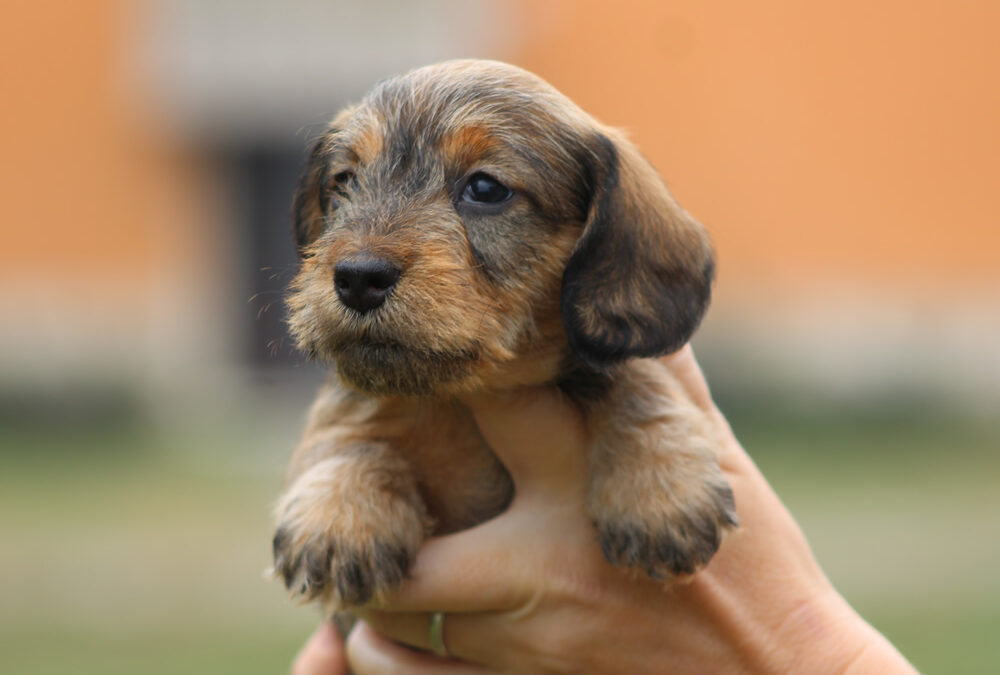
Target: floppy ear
(639, 279)
(310, 197)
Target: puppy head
(466, 219)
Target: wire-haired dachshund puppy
(467, 227)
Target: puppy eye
(340, 181)
(485, 189)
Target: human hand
(323, 654)
(530, 591)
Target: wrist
(826, 635)
(801, 625)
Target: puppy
(467, 227)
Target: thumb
(323, 654)
(539, 435)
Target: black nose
(363, 283)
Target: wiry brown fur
(590, 264)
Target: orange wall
(68, 178)
(97, 201)
(851, 139)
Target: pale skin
(530, 592)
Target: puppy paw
(345, 541)
(343, 571)
(662, 537)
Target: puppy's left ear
(639, 279)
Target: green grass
(903, 514)
(125, 550)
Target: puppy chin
(387, 369)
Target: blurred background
(843, 156)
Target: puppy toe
(342, 572)
(358, 575)
(671, 542)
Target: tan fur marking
(367, 144)
(468, 143)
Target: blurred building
(843, 157)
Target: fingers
(370, 654)
(323, 654)
(685, 368)
(541, 438)
(411, 628)
(474, 637)
(539, 435)
(448, 575)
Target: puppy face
(466, 221)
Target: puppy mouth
(388, 367)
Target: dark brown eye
(485, 189)
(341, 181)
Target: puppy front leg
(656, 495)
(349, 525)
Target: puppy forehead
(450, 91)
(461, 108)
(355, 135)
